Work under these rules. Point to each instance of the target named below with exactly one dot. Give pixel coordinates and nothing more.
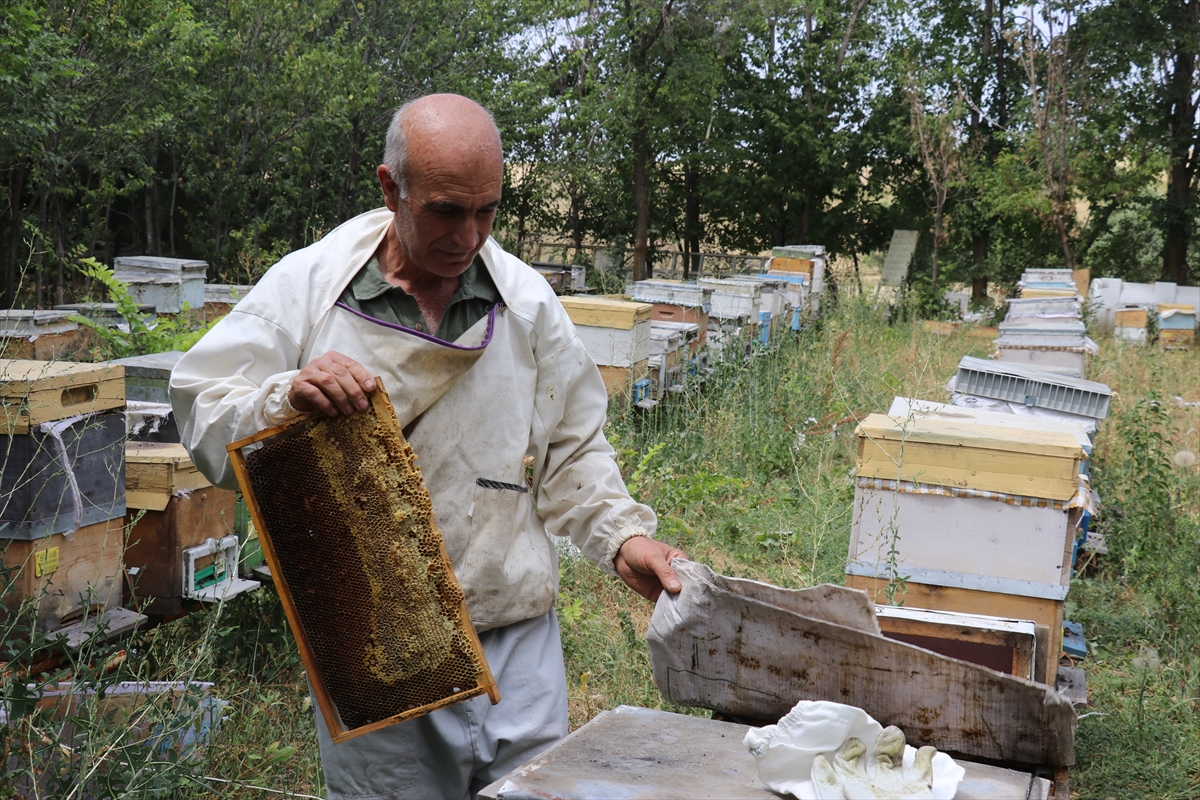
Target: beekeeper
(484, 368)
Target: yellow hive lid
(1186, 308)
(601, 312)
(964, 433)
(157, 471)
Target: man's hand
(645, 565)
(332, 384)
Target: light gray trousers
(455, 751)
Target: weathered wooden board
(633, 753)
(157, 471)
(603, 312)
(67, 575)
(712, 646)
(158, 538)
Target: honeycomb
(354, 536)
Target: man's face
(451, 205)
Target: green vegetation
(147, 334)
(1013, 135)
(751, 476)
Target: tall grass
(752, 475)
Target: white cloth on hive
(785, 752)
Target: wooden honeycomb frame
(385, 603)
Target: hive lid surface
(150, 366)
(603, 312)
(960, 432)
(370, 594)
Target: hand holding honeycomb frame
(361, 568)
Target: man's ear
(391, 189)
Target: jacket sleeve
(580, 492)
(233, 383)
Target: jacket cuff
(277, 405)
(623, 534)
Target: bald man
(484, 369)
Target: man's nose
(466, 232)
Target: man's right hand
(332, 384)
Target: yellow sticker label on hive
(45, 562)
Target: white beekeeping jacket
(518, 383)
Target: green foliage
(146, 334)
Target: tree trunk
(16, 185)
(641, 202)
(691, 221)
(979, 252)
(575, 217)
(1182, 125)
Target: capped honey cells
(351, 529)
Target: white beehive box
(1066, 308)
(733, 299)
(675, 293)
(168, 284)
(615, 333)
(773, 290)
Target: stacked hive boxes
(1044, 328)
(63, 487)
(148, 407)
(220, 298)
(802, 260)
(617, 337)
(1131, 321)
(1108, 296)
(675, 301)
(183, 542)
(977, 518)
(733, 317)
(168, 284)
(1176, 325)
(40, 335)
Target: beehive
(370, 594)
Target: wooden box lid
(33, 392)
(1033, 463)
(601, 312)
(157, 471)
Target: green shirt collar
(474, 283)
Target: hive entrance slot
(77, 395)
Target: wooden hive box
(148, 377)
(69, 475)
(370, 594)
(795, 266)
(965, 454)
(1046, 614)
(172, 507)
(33, 392)
(1005, 645)
(1135, 317)
(41, 335)
(67, 576)
(616, 333)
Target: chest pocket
(498, 511)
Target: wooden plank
(714, 647)
(639, 752)
(1083, 280)
(115, 622)
(947, 598)
(82, 571)
(388, 431)
(1132, 318)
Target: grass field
(752, 476)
